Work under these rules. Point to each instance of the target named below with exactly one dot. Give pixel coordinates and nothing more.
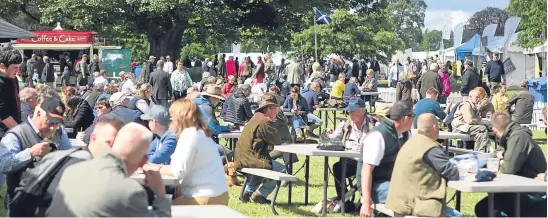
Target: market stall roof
(51, 46)
(57, 39)
(10, 31)
(468, 47)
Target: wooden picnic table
(311, 150)
(503, 183)
(204, 211)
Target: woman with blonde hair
(486, 108)
(141, 101)
(67, 93)
(196, 161)
(128, 86)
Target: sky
(458, 10)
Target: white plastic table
(311, 150)
(503, 183)
(232, 138)
(77, 143)
(204, 211)
(168, 180)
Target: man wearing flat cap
(258, 138)
(35, 137)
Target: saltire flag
(321, 17)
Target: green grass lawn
(297, 208)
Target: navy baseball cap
(55, 109)
(355, 104)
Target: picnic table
(69, 130)
(232, 138)
(77, 143)
(371, 99)
(448, 136)
(204, 211)
(503, 183)
(168, 180)
(311, 150)
(325, 111)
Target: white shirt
(168, 67)
(100, 80)
(373, 148)
(197, 164)
(128, 87)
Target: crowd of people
(166, 123)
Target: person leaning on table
(521, 156)
(421, 163)
(351, 132)
(378, 154)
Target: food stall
(60, 42)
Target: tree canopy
(408, 19)
(483, 18)
(532, 27)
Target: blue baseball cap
(355, 104)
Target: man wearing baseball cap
(119, 101)
(352, 132)
(34, 138)
(165, 141)
(377, 159)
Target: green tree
(408, 18)
(351, 34)
(431, 40)
(533, 21)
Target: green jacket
(256, 142)
(522, 155)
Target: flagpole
(315, 40)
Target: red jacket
(228, 89)
(230, 68)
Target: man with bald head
(103, 187)
(421, 163)
(466, 119)
(36, 205)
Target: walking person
(161, 86)
(180, 81)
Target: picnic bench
(204, 211)
(269, 174)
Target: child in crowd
(65, 77)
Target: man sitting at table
(163, 145)
(520, 156)
(351, 89)
(524, 103)
(352, 132)
(422, 162)
(466, 119)
(378, 154)
(428, 105)
(259, 138)
(311, 96)
(103, 187)
(29, 141)
(296, 104)
(32, 201)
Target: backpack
(451, 116)
(31, 196)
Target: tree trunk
(166, 44)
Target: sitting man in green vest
(422, 162)
(378, 154)
(522, 157)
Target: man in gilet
(378, 154)
(31, 140)
(421, 163)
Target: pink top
(446, 84)
(230, 68)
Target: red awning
(59, 37)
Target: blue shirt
(351, 89)
(428, 105)
(162, 148)
(311, 99)
(11, 156)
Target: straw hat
(213, 91)
(382, 109)
(266, 103)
